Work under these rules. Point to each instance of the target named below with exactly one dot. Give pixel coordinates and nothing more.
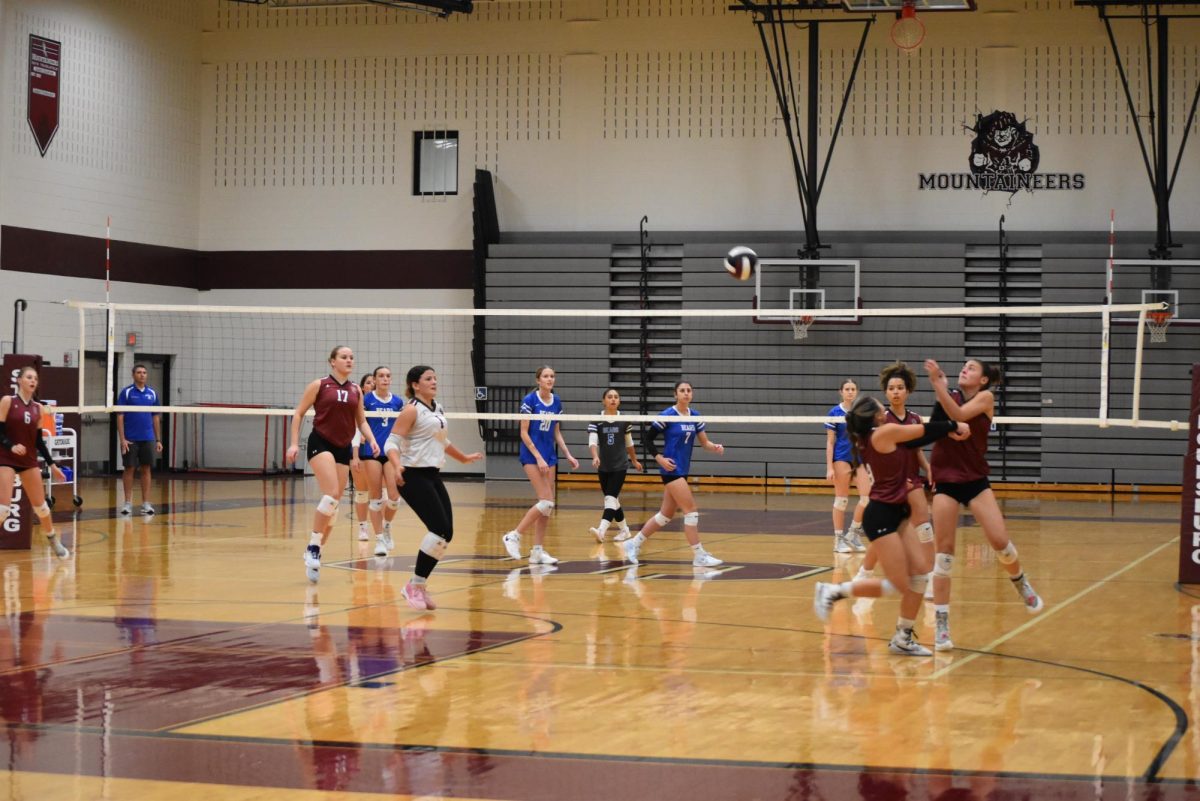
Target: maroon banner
(1189, 513)
(45, 59)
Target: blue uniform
(678, 440)
(541, 432)
(381, 427)
(841, 442)
(139, 426)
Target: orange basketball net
(1157, 322)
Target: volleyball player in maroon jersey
(883, 447)
(20, 443)
(960, 477)
(339, 412)
(897, 380)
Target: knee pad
(917, 584)
(393, 505)
(375, 504)
(361, 497)
(661, 519)
(328, 505)
(611, 502)
(925, 532)
(545, 507)
(942, 564)
(42, 511)
(1008, 554)
(840, 502)
(888, 588)
(691, 519)
(862, 502)
(434, 545)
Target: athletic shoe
(941, 636)
(415, 595)
(387, 540)
(126, 509)
(147, 509)
(623, 535)
(381, 548)
(631, 548)
(841, 544)
(312, 563)
(60, 550)
(363, 533)
(512, 544)
(854, 539)
(705, 559)
(597, 533)
(904, 644)
(1033, 601)
(824, 596)
(863, 573)
(538, 556)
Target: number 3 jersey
(541, 432)
(678, 439)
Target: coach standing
(140, 437)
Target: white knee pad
(328, 505)
(918, 583)
(42, 511)
(942, 564)
(611, 502)
(433, 545)
(925, 532)
(661, 519)
(393, 505)
(545, 507)
(361, 496)
(1008, 554)
(691, 519)
(375, 505)
(840, 502)
(862, 502)
(889, 588)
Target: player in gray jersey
(611, 442)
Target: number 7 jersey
(678, 439)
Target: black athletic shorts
(964, 492)
(611, 481)
(318, 444)
(668, 479)
(881, 519)
(140, 454)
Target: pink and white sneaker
(416, 596)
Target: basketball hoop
(1157, 322)
(907, 31)
(800, 327)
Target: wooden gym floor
(186, 656)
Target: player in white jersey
(417, 449)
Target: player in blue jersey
(358, 469)
(540, 441)
(674, 463)
(381, 476)
(837, 472)
(140, 438)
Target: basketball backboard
(872, 6)
(1173, 281)
(784, 288)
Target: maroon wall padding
(1189, 512)
(49, 253)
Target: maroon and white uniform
(911, 418)
(961, 462)
(890, 471)
(337, 411)
(21, 428)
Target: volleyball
(740, 263)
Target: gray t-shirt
(610, 434)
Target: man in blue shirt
(140, 437)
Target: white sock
(845, 589)
(604, 524)
(315, 539)
(939, 608)
(639, 538)
(837, 532)
(416, 580)
(863, 573)
(698, 548)
(904, 624)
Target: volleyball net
(238, 371)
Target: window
(435, 163)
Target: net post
(109, 350)
(1137, 367)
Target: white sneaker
(363, 533)
(631, 548)
(854, 538)
(538, 556)
(1033, 601)
(126, 509)
(597, 533)
(841, 544)
(391, 546)
(941, 635)
(60, 550)
(381, 548)
(512, 544)
(312, 563)
(904, 644)
(824, 596)
(623, 535)
(147, 509)
(705, 559)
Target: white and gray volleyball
(740, 263)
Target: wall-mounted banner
(1003, 159)
(45, 60)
